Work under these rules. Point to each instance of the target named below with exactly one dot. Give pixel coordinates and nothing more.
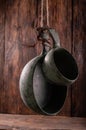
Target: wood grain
(2, 52)
(18, 45)
(18, 35)
(79, 49)
(20, 40)
(36, 122)
(60, 19)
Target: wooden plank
(18, 31)
(60, 18)
(79, 49)
(37, 122)
(2, 53)
(20, 20)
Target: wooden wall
(18, 20)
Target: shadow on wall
(2, 5)
(5, 2)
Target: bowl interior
(66, 64)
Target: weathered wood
(19, 34)
(2, 52)
(60, 18)
(79, 50)
(20, 39)
(37, 122)
(18, 20)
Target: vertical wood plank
(79, 50)
(26, 39)
(2, 44)
(11, 58)
(61, 19)
(18, 30)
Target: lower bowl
(50, 97)
(37, 93)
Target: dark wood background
(18, 20)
